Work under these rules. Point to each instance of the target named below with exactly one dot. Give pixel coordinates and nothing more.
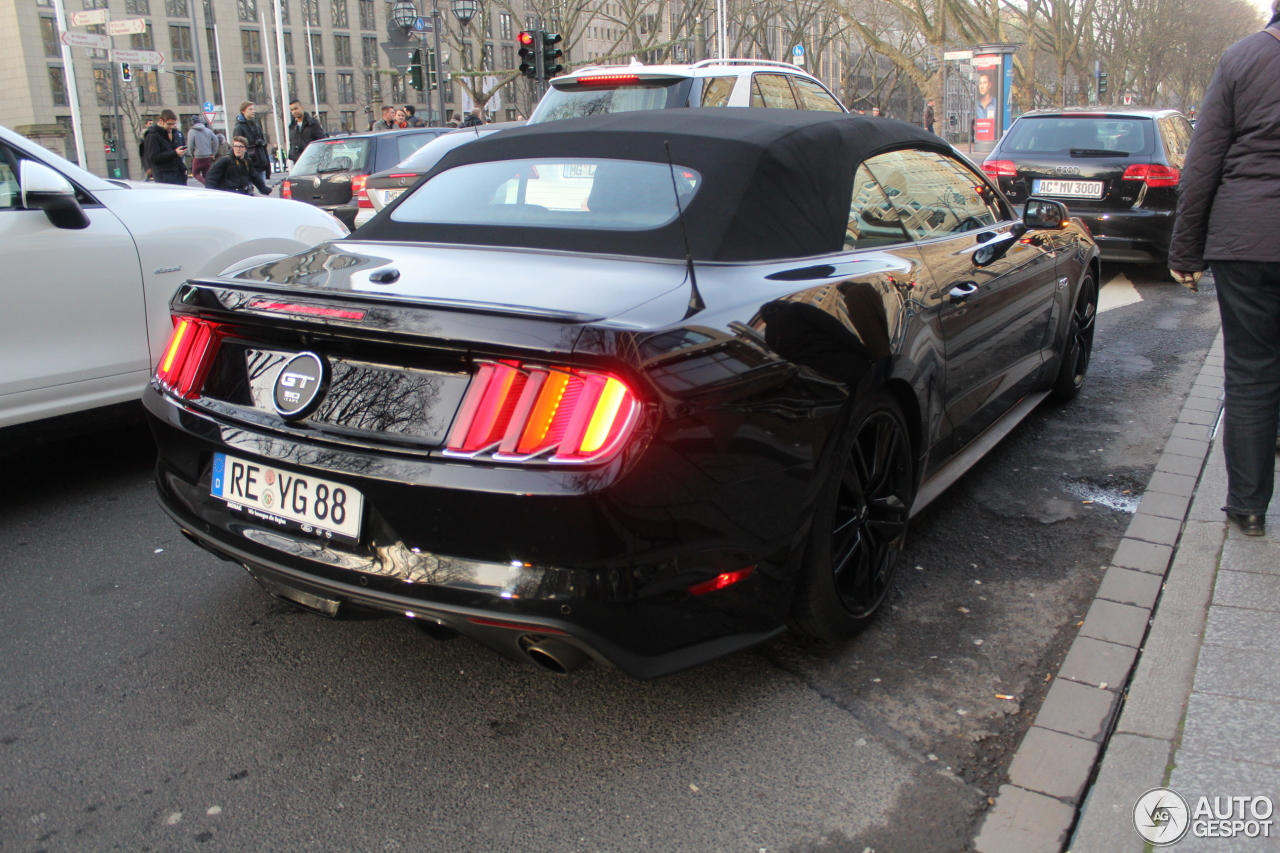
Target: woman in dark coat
(234, 173)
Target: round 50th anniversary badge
(1163, 817)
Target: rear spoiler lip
(460, 305)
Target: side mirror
(1041, 213)
(47, 190)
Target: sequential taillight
(1000, 168)
(516, 412)
(722, 580)
(1155, 174)
(186, 359)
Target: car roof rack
(706, 62)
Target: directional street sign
(401, 55)
(140, 57)
(957, 55)
(126, 28)
(797, 55)
(89, 18)
(421, 25)
(88, 40)
(208, 106)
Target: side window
(772, 90)
(934, 195)
(9, 191)
(409, 143)
(873, 220)
(716, 91)
(814, 97)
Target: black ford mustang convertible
(645, 388)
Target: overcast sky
(1265, 6)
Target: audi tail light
(186, 359)
(286, 189)
(1155, 174)
(359, 192)
(1000, 168)
(516, 412)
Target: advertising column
(993, 100)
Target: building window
(217, 86)
(208, 12)
(284, 11)
(292, 83)
(69, 137)
(148, 87)
(342, 50)
(213, 47)
(398, 87)
(348, 119)
(49, 35)
(248, 9)
(322, 92)
(338, 8)
(102, 85)
(288, 48)
(508, 57)
(137, 7)
(144, 40)
(317, 49)
(95, 4)
(58, 86)
(97, 30)
(368, 14)
(184, 80)
(504, 26)
(175, 8)
(255, 87)
(45, 4)
(180, 43)
(346, 87)
(373, 85)
(323, 118)
(486, 57)
(369, 49)
(311, 12)
(251, 44)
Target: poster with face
(987, 106)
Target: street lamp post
(464, 11)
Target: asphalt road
(153, 698)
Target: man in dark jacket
(234, 173)
(163, 149)
(303, 130)
(256, 138)
(387, 122)
(411, 114)
(1229, 218)
(475, 118)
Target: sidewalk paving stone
(1197, 447)
(1128, 586)
(1143, 556)
(1240, 628)
(1116, 623)
(1153, 528)
(1173, 463)
(1077, 709)
(1239, 673)
(1052, 763)
(1197, 418)
(1261, 556)
(1098, 663)
(1198, 776)
(1205, 392)
(1165, 506)
(1247, 589)
(1134, 765)
(1244, 729)
(1194, 429)
(1205, 403)
(1025, 822)
(1173, 484)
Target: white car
(599, 89)
(90, 265)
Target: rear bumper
(1133, 236)
(625, 605)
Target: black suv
(331, 173)
(1117, 170)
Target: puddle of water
(1112, 498)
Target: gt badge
(300, 385)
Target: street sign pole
(435, 33)
(73, 93)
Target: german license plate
(1071, 189)
(579, 170)
(283, 498)
(389, 196)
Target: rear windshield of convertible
(572, 193)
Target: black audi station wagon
(644, 388)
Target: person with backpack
(255, 137)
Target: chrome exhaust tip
(554, 655)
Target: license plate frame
(287, 500)
(1069, 189)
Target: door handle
(963, 291)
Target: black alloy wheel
(860, 526)
(1079, 344)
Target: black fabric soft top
(775, 183)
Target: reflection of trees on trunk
(401, 402)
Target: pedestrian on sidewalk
(163, 150)
(303, 130)
(203, 143)
(1228, 219)
(928, 117)
(235, 173)
(248, 128)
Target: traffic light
(415, 69)
(1102, 83)
(551, 55)
(433, 76)
(126, 73)
(528, 53)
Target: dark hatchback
(645, 388)
(1117, 170)
(331, 173)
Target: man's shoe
(1250, 525)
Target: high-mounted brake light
(1154, 174)
(358, 190)
(186, 359)
(609, 79)
(1000, 168)
(517, 412)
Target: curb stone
(1040, 807)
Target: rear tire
(1073, 365)
(860, 524)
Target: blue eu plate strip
(219, 466)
